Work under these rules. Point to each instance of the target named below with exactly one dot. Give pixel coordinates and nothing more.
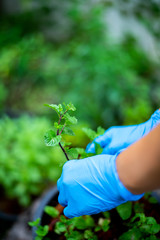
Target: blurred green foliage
(109, 83)
(27, 165)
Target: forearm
(139, 165)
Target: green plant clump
(27, 166)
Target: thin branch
(62, 129)
(64, 151)
(59, 133)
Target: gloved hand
(91, 185)
(116, 138)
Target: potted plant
(129, 221)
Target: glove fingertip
(62, 201)
(90, 148)
(67, 212)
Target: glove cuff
(124, 192)
(156, 117)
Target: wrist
(126, 174)
(126, 188)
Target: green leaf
(150, 226)
(83, 222)
(42, 230)
(82, 153)
(72, 152)
(132, 234)
(98, 148)
(57, 126)
(125, 210)
(152, 200)
(100, 131)
(152, 229)
(105, 225)
(138, 207)
(98, 228)
(74, 235)
(151, 237)
(57, 108)
(70, 107)
(68, 131)
(63, 219)
(141, 216)
(70, 120)
(151, 220)
(89, 221)
(51, 211)
(93, 134)
(90, 133)
(88, 234)
(38, 238)
(60, 227)
(34, 223)
(80, 150)
(51, 139)
(106, 214)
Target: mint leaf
(51, 139)
(34, 223)
(70, 107)
(98, 148)
(68, 131)
(90, 133)
(42, 230)
(38, 238)
(93, 134)
(88, 234)
(98, 228)
(125, 210)
(60, 227)
(132, 234)
(83, 222)
(150, 229)
(74, 235)
(72, 152)
(82, 153)
(152, 200)
(100, 131)
(138, 207)
(139, 215)
(57, 126)
(51, 211)
(57, 108)
(152, 237)
(70, 120)
(151, 220)
(106, 215)
(105, 225)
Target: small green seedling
(41, 231)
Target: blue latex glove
(117, 138)
(91, 185)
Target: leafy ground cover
(24, 158)
(138, 220)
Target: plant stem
(64, 151)
(59, 133)
(62, 129)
